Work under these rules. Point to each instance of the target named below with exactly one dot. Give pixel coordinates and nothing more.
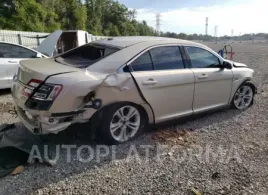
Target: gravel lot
(239, 141)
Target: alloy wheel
(125, 123)
(243, 97)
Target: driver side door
(213, 84)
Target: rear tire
(121, 122)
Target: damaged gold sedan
(126, 83)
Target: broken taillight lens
(47, 92)
(27, 91)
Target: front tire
(121, 122)
(244, 97)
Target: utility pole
(158, 23)
(216, 33)
(232, 32)
(206, 27)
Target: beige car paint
(240, 76)
(165, 96)
(175, 93)
(213, 87)
(42, 68)
(110, 88)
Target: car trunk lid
(41, 69)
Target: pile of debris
(14, 152)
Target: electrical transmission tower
(206, 27)
(158, 23)
(216, 33)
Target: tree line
(98, 17)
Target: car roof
(131, 47)
(123, 42)
(14, 44)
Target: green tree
(98, 17)
(53, 10)
(94, 14)
(113, 30)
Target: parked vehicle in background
(62, 41)
(124, 83)
(10, 57)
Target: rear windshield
(84, 56)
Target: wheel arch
(249, 82)
(237, 85)
(246, 81)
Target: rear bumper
(45, 122)
(40, 122)
(40, 127)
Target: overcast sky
(244, 16)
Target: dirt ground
(225, 152)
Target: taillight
(43, 96)
(47, 92)
(34, 83)
(27, 91)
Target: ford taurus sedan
(125, 83)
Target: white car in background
(10, 57)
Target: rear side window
(160, 58)
(86, 55)
(167, 58)
(142, 63)
(201, 58)
(14, 51)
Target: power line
(158, 23)
(206, 27)
(216, 33)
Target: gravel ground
(223, 153)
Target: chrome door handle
(13, 62)
(149, 82)
(203, 76)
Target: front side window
(85, 55)
(142, 63)
(13, 51)
(167, 58)
(201, 58)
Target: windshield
(86, 55)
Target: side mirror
(38, 55)
(227, 65)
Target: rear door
(164, 82)
(11, 55)
(213, 84)
(6, 63)
(3, 75)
